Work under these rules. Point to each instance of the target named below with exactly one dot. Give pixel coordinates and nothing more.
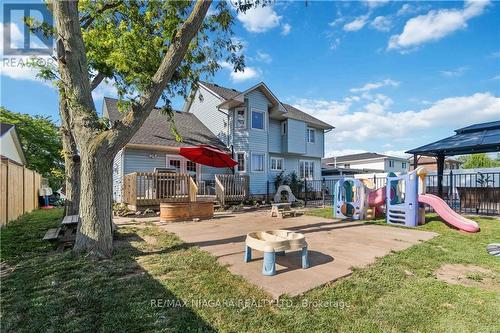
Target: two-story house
(265, 135)
(363, 163)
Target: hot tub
(183, 211)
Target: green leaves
(41, 143)
(128, 41)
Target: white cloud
(381, 23)
(376, 3)
(375, 85)
(336, 22)
(247, 74)
(435, 25)
(335, 43)
(496, 77)
(285, 29)
(357, 24)
(495, 54)
(263, 57)
(259, 19)
(454, 72)
(365, 126)
(105, 89)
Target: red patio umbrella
(208, 155)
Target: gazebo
(474, 139)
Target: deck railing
(152, 188)
(231, 188)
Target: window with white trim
(391, 163)
(258, 162)
(258, 119)
(306, 169)
(241, 159)
(240, 118)
(276, 164)
(403, 165)
(311, 135)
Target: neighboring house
(430, 163)
(265, 135)
(10, 145)
(363, 163)
(145, 152)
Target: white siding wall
(118, 176)
(204, 107)
(8, 147)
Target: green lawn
(156, 283)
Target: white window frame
(245, 161)
(276, 159)
(309, 130)
(252, 167)
(307, 162)
(263, 119)
(403, 165)
(244, 118)
(391, 163)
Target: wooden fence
(231, 188)
(18, 191)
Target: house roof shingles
(292, 112)
(157, 129)
(4, 128)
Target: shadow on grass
(59, 292)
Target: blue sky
(389, 76)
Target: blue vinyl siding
(317, 148)
(140, 160)
(258, 141)
(296, 137)
(274, 136)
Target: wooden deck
(149, 189)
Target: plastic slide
(448, 214)
(377, 197)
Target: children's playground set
(404, 198)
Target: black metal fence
(470, 193)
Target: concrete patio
(334, 247)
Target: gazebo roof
(478, 138)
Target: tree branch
(96, 80)
(172, 59)
(87, 20)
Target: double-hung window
(240, 158)
(403, 165)
(240, 118)
(258, 119)
(391, 163)
(258, 162)
(311, 135)
(306, 169)
(276, 164)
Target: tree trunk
(99, 146)
(71, 161)
(95, 230)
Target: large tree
(150, 50)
